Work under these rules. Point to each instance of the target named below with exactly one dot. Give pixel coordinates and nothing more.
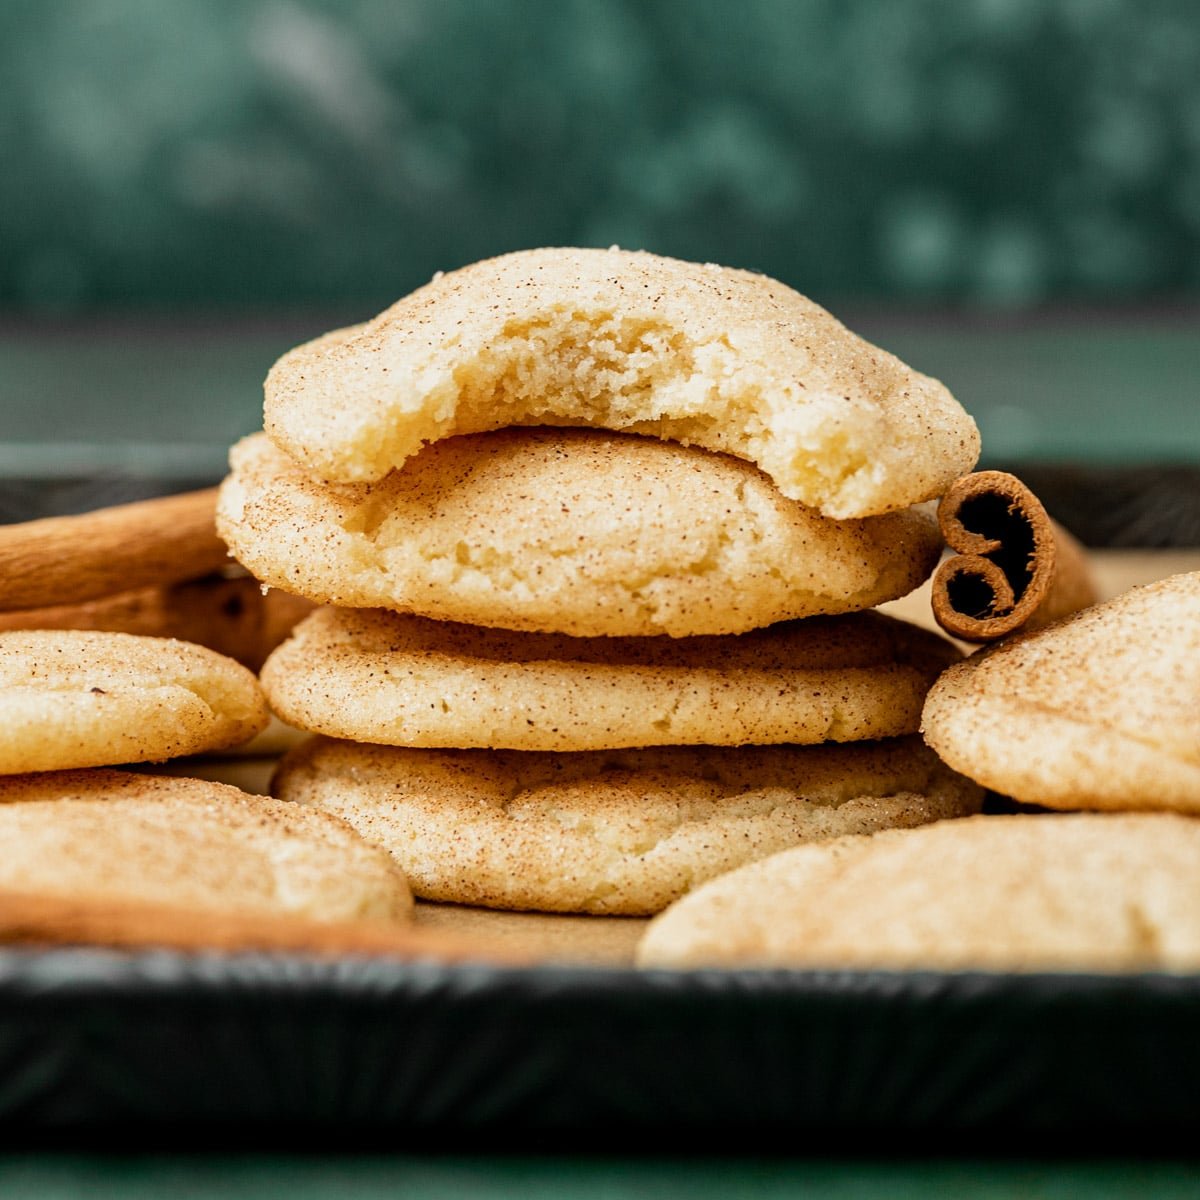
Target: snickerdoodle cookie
(375, 676)
(1100, 710)
(79, 698)
(623, 831)
(583, 532)
(122, 835)
(1060, 892)
(701, 354)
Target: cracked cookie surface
(1100, 710)
(582, 532)
(620, 832)
(105, 835)
(375, 676)
(1029, 892)
(80, 698)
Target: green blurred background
(1004, 192)
(289, 153)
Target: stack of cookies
(596, 531)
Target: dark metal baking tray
(154, 1046)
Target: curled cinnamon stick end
(36, 920)
(1013, 568)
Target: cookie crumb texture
(582, 532)
(121, 835)
(79, 698)
(720, 358)
(622, 832)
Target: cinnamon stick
(66, 560)
(228, 614)
(1014, 568)
(33, 920)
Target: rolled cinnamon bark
(32, 920)
(1014, 568)
(66, 560)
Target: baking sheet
(133, 1050)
